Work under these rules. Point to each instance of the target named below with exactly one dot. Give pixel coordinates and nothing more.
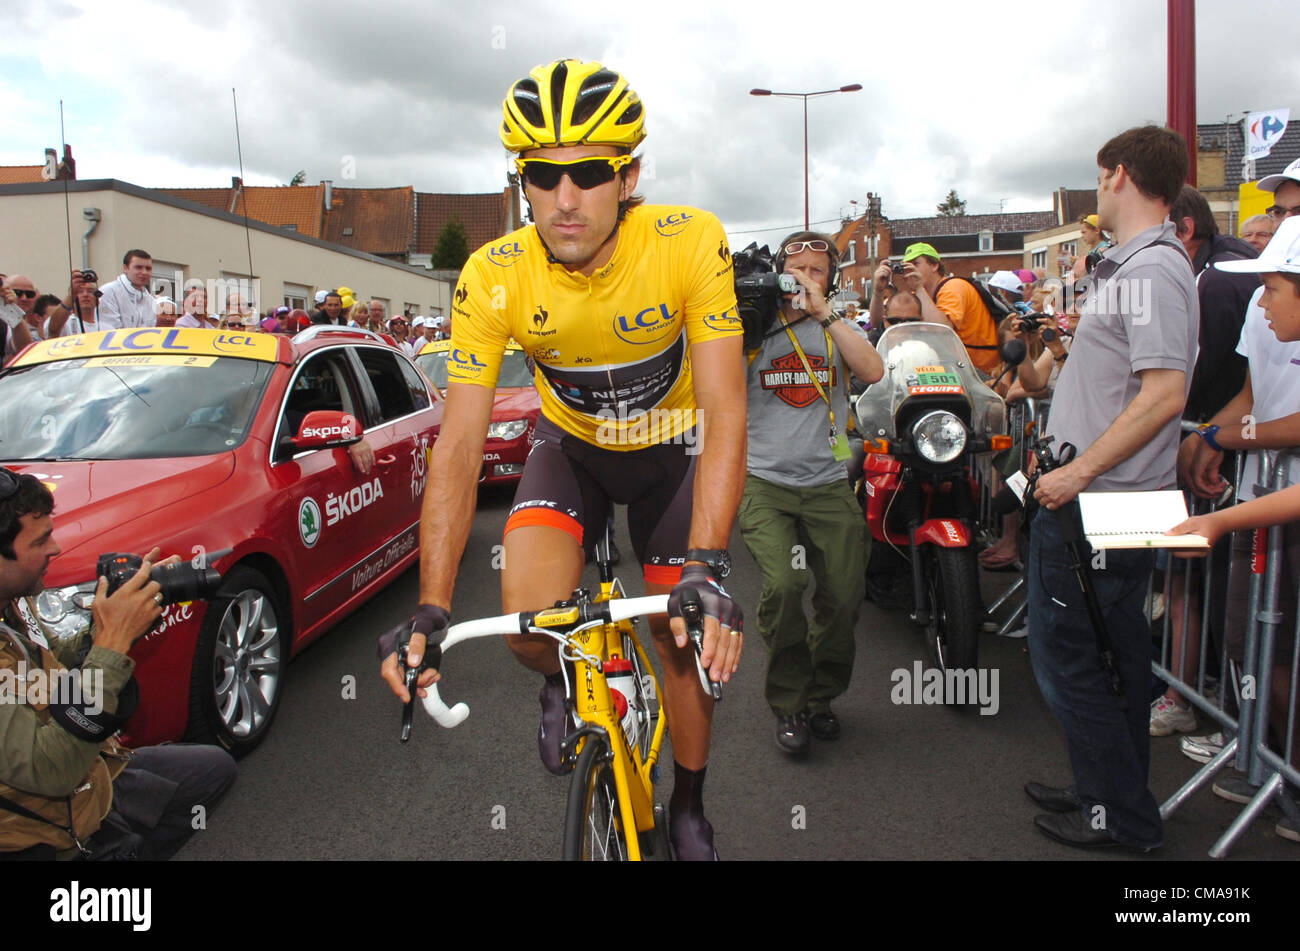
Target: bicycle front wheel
(593, 825)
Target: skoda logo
(309, 522)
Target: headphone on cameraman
(832, 255)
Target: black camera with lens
(1028, 323)
(89, 276)
(179, 582)
(759, 289)
(898, 267)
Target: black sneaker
(551, 731)
(792, 733)
(824, 726)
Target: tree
(299, 177)
(452, 248)
(952, 206)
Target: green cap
(914, 251)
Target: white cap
(1281, 256)
(437, 320)
(320, 296)
(1007, 281)
(418, 321)
(1271, 183)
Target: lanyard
(830, 365)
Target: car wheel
(239, 664)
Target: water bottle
(622, 684)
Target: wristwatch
(1208, 432)
(830, 319)
(718, 560)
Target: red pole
(1182, 76)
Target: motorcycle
(922, 425)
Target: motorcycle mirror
(1013, 351)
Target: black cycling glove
(429, 620)
(714, 599)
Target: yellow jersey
(612, 350)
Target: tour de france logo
(309, 522)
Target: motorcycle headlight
(509, 430)
(65, 612)
(939, 436)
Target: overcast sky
(1002, 101)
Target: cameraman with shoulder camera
(60, 767)
(795, 490)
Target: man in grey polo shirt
(1118, 402)
(798, 515)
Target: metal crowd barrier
(1026, 419)
(1265, 773)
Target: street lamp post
(805, 96)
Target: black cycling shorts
(570, 484)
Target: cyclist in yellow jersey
(629, 313)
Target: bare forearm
(858, 352)
(1232, 419)
(876, 310)
(930, 311)
(1152, 409)
(1275, 509)
(1034, 374)
(719, 475)
(1275, 434)
(448, 511)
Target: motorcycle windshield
(926, 362)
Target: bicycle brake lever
(693, 615)
(409, 675)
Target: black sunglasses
(585, 173)
(18, 292)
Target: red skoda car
(229, 448)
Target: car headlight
(939, 436)
(65, 612)
(510, 430)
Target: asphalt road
(332, 781)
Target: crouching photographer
(68, 789)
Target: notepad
(1136, 520)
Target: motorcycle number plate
(840, 448)
(940, 378)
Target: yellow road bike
(618, 722)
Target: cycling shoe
(551, 731)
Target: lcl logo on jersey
(505, 254)
(728, 320)
(465, 363)
(646, 326)
(672, 225)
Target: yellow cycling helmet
(570, 102)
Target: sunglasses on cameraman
(794, 247)
(586, 173)
(22, 292)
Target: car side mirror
(325, 429)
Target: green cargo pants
(792, 534)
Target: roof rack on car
(315, 330)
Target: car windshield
(94, 409)
(514, 369)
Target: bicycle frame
(594, 705)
